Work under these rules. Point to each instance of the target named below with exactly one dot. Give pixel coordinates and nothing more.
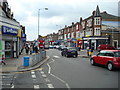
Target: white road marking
(56, 56)
(32, 72)
(47, 80)
(42, 72)
(36, 87)
(33, 76)
(50, 86)
(49, 71)
(12, 86)
(44, 76)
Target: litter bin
(26, 60)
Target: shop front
(94, 41)
(9, 41)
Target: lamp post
(39, 18)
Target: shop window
(8, 54)
(8, 45)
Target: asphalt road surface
(63, 72)
(78, 73)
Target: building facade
(98, 28)
(10, 32)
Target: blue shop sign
(9, 30)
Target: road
(62, 72)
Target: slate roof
(105, 15)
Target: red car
(105, 47)
(109, 58)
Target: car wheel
(66, 55)
(92, 61)
(110, 66)
(62, 54)
(75, 56)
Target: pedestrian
(36, 49)
(92, 48)
(27, 49)
(3, 60)
(31, 49)
(87, 50)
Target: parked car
(109, 58)
(69, 51)
(105, 47)
(51, 46)
(57, 46)
(61, 47)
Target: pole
(38, 23)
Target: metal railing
(37, 57)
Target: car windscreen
(117, 54)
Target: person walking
(27, 49)
(87, 50)
(3, 60)
(31, 49)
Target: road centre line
(49, 72)
(56, 56)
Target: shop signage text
(9, 30)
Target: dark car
(69, 51)
(108, 58)
(105, 47)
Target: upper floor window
(77, 27)
(97, 21)
(68, 29)
(72, 28)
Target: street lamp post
(39, 18)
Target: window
(117, 54)
(8, 45)
(109, 54)
(101, 54)
(68, 30)
(77, 27)
(97, 21)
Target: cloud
(60, 12)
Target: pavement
(83, 53)
(17, 64)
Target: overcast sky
(60, 13)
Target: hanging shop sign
(9, 30)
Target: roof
(105, 15)
(110, 50)
(97, 12)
